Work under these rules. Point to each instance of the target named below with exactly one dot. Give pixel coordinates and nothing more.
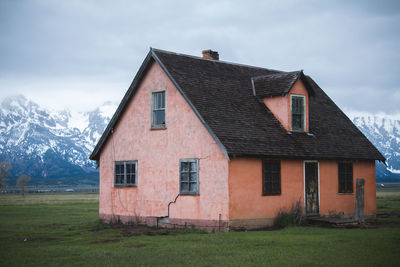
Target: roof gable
(150, 58)
(221, 94)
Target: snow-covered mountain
(384, 132)
(46, 143)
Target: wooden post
(359, 211)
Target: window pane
(184, 186)
(297, 122)
(275, 167)
(193, 176)
(160, 117)
(119, 173)
(193, 187)
(275, 188)
(119, 178)
(295, 105)
(159, 100)
(184, 166)
(193, 166)
(184, 176)
(267, 167)
(157, 96)
(162, 104)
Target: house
(218, 145)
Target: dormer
(286, 94)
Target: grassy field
(63, 229)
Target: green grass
(43, 230)
(388, 199)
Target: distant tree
(5, 167)
(21, 181)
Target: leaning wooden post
(359, 212)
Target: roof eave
(304, 157)
(129, 94)
(122, 106)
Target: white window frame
(152, 111)
(124, 163)
(197, 192)
(304, 112)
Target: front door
(311, 188)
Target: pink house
(218, 145)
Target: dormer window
(298, 113)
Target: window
(345, 177)
(189, 176)
(125, 173)
(158, 110)
(271, 177)
(298, 111)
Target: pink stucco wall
(157, 153)
(334, 202)
(248, 203)
(280, 105)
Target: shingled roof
(221, 95)
(278, 83)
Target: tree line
(22, 180)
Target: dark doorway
(311, 188)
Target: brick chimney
(209, 54)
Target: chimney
(209, 54)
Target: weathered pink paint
(280, 105)
(230, 191)
(158, 153)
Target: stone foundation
(169, 223)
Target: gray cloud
(93, 49)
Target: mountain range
(46, 143)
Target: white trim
(304, 185)
(304, 112)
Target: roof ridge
(212, 60)
(277, 73)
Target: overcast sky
(79, 54)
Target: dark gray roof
(221, 95)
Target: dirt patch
(128, 230)
(105, 240)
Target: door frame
(304, 185)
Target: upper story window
(158, 110)
(125, 173)
(189, 176)
(271, 177)
(345, 177)
(298, 113)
